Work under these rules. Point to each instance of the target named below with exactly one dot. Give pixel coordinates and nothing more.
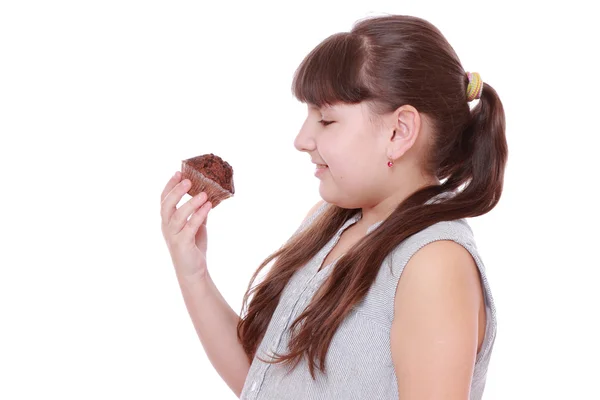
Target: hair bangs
(333, 72)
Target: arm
(434, 335)
(216, 326)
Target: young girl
(381, 292)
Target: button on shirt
(359, 362)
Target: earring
(390, 163)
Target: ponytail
(479, 158)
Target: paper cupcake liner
(201, 183)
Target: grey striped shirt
(359, 360)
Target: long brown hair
(387, 61)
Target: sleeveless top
(358, 364)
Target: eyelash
(325, 123)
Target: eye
(325, 123)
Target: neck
(378, 212)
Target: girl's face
(354, 148)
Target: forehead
(358, 110)
(325, 107)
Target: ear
(406, 128)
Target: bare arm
(434, 335)
(216, 325)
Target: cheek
(333, 154)
(351, 169)
(348, 152)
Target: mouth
(320, 170)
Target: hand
(186, 239)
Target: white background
(101, 100)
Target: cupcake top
(215, 168)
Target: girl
(381, 293)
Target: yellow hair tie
(475, 86)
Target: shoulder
(436, 264)
(314, 209)
(457, 231)
(439, 263)
(311, 215)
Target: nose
(304, 139)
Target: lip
(320, 170)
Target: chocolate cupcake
(209, 173)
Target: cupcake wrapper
(201, 183)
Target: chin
(327, 195)
(337, 199)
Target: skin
(357, 151)
(439, 314)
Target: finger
(169, 204)
(197, 234)
(181, 215)
(170, 185)
(197, 219)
